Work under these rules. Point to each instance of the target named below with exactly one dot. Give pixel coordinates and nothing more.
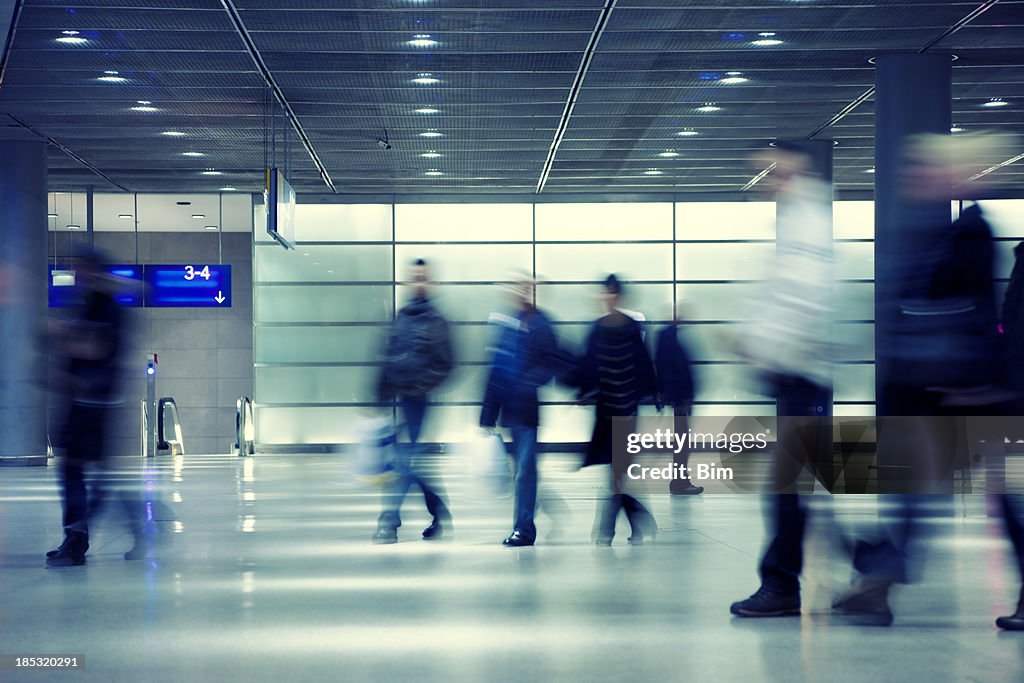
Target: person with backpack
(417, 359)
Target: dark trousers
(414, 410)
(1013, 516)
(802, 409)
(524, 448)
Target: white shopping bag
(375, 451)
(490, 466)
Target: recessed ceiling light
(52, 215)
(766, 42)
(652, 171)
(733, 77)
(426, 79)
(428, 110)
(211, 172)
(173, 133)
(112, 77)
(956, 129)
(709, 106)
(996, 102)
(228, 189)
(870, 170)
(422, 40)
(431, 155)
(124, 215)
(70, 33)
(687, 133)
(431, 134)
(74, 227)
(433, 172)
(199, 215)
(145, 108)
(211, 227)
(193, 154)
(71, 38)
(668, 153)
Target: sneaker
(768, 603)
(517, 540)
(680, 487)
(436, 530)
(866, 604)
(385, 536)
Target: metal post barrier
(245, 432)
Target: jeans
(524, 447)
(414, 409)
(1013, 515)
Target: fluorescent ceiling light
(870, 170)
(52, 215)
(71, 39)
(145, 108)
(428, 110)
(199, 215)
(173, 133)
(652, 171)
(431, 134)
(995, 102)
(211, 227)
(433, 172)
(125, 215)
(228, 189)
(426, 79)
(74, 227)
(431, 155)
(766, 42)
(112, 77)
(211, 172)
(668, 153)
(956, 129)
(687, 133)
(733, 77)
(709, 106)
(422, 40)
(193, 154)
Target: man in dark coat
(676, 388)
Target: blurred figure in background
(616, 370)
(789, 346)
(526, 357)
(676, 389)
(87, 347)
(417, 359)
(941, 358)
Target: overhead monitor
(280, 202)
(64, 289)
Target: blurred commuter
(939, 350)
(526, 357)
(676, 389)
(87, 346)
(417, 359)
(616, 370)
(789, 347)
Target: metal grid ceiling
(505, 70)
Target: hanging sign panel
(188, 286)
(65, 289)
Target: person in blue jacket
(676, 388)
(526, 357)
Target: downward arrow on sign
(219, 298)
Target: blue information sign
(188, 286)
(63, 289)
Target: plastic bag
(375, 452)
(490, 466)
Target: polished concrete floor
(266, 573)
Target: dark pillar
(22, 298)
(913, 95)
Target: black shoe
(66, 558)
(517, 540)
(74, 541)
(684, 487)
(866, 604)
(1014, 622)
(385, 536)
(768, 603)
(436, 530)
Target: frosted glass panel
(603, 222)
(566, 424)
(450, 424)
(471, 341)
(343, 223)
(315, 385)
(467, 262)
(855, 342)
(736, 261)
(323, 304)
(726, 383)
(766, 409)
(1005, 215)
(1004, 258)
(855, 261)
(854, 410)
(466, 385)
(341, 263)
(463, 222)
(308, 425)
(317, 344)
(853, 220)
(716, 301)
(725, 221)
(854, 382)
(580, 303)
(467, 303)
(560, 262)
(854, 301)
(259, 226)
(711, 342)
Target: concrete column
(23, 299)
(913, 95)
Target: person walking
(676, 389)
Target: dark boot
(71, 552)
(640, 520)
(1014, 622)
(866, 603)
